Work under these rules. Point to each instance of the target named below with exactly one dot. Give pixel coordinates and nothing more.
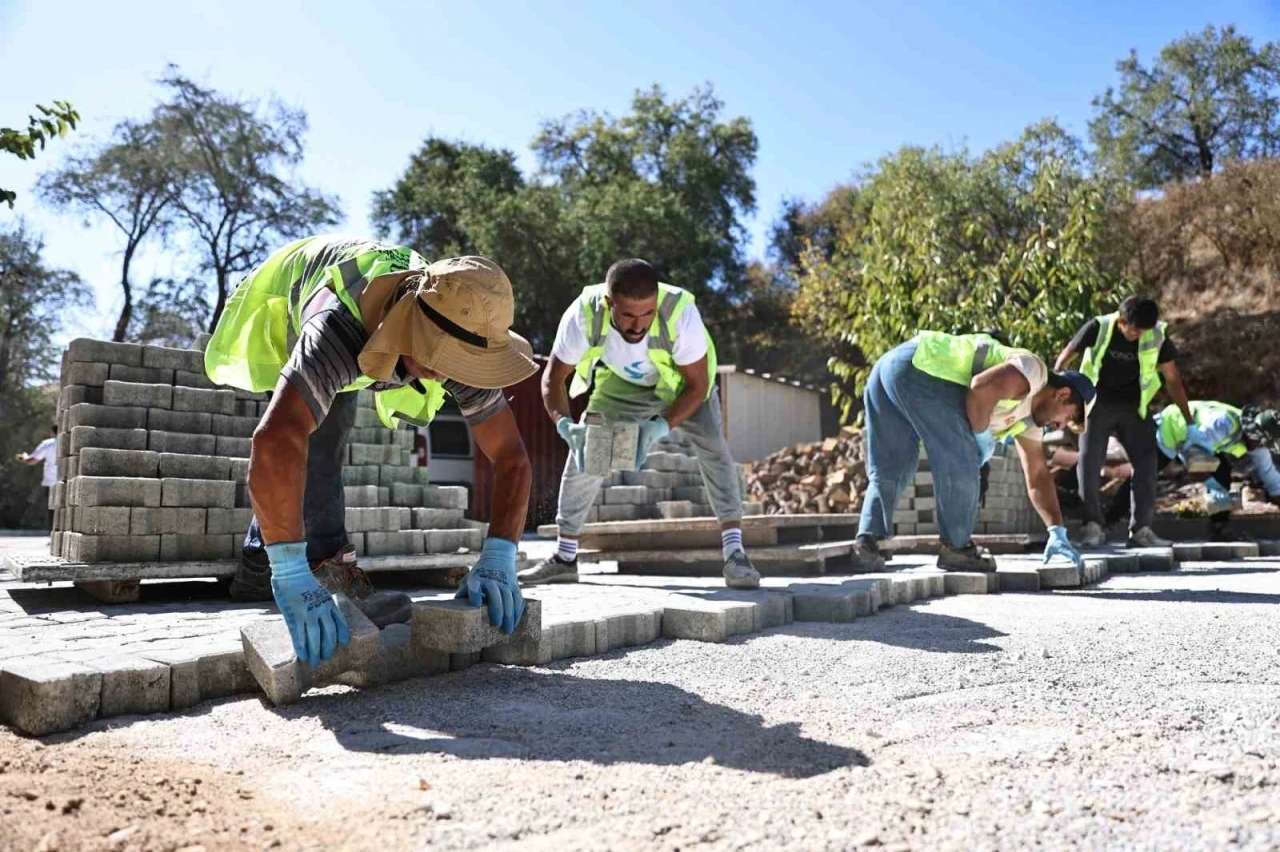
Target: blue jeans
(324, 503)
(904, 407)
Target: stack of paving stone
(153, 462)
(670, 486)
(1006, 509)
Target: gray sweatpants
(618, 399)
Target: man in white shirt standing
(46, 451)
(657, 366)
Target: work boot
(340, 573)
(252, 580)
(1146, 537)
(739, 573)
(866, 555)
(553, 569)
(1226, 532)
(1093, 535)
(971, 558)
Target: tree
(235, 189)
(1018, 239)
(130, 181)
(1209, 96)
(171, 312)
(52, 121)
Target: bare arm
(499, 439)
(1177, 392)
(696, 385)
(1041, 488)
(555, 396)
(1003, 381)
(278, 465)
(1065, 357)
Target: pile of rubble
(827, 476)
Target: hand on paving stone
(315, 623)
(575, 435)
(1217, 498)
(650, 432)
(986, 446)
(493, 579)
(1060, 545)
(1197, 438)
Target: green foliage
(1209, 96)
(1015, 239)
(52, 121)
(170, 312)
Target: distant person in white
(46, 451)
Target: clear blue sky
(829, 86)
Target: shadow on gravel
(530, 715)
(903, 627)
(204, 595)
(1184, 596)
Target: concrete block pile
(153, 461)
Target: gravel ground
(1141, 714)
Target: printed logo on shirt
(636, 370)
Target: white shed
(764, 413)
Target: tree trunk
(126, 312)
(221, 277)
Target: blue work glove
(1060, 545)
(986, 446)
(1197, 438)
(651, 431)
(493, 579)
(315, 623)
(1216, 498)
(575, 435)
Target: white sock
(730, 541)
(567, 549)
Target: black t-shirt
(1119, 379)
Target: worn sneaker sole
(743, 583)
(555, 578)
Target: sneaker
(865, 555)
(1146, 537)
(739, 573)
(340, 573)
(971, 558)
(252, 580)
(550, 570)
(1093, 535)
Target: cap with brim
(1082, 386)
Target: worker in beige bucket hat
(330, 315)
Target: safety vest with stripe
(263, 317)
(1173, 426)
(672, 302)
(1148, 358)
(959, 357)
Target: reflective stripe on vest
(1172, 428)
(1149, 345)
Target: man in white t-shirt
(959, 395)
(46, 451)
(657, 365)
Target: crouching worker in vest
(1126, 356)
(322, 318)
(1242, 439)
(658, 367)
(959, 395)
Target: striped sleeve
(477, 404)
(324, 359)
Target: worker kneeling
(324, 317)
(959, 395)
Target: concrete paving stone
(703, 620)
(114, 491)
(1187, 551)
(1018, 578)
(137, 395)
(436, 519)
(624, 512)
(673, 509)
(368, 453)
(106, 351)
(269, 655)
(1212, 551)
(111, 548)
(393, 543)
(624, 445)
(97, 461)
(106, 438)
(140, 375)
(75, 394)
(197, 546)
(131, 684)
(191, 422)
(165, 521)
(384, 495)
(230, 426)
(225, 672)
(694, 494)
(40, 696)
(190, 379)
(598, 452)
(452, 540)
(182, 442)
(360, 496)
(396, 659)
(226, 521)
(184, 675)
(178, 465)
(209, 401)
(171, 358)
(389, 474)
(238, 471)
(406, 494)
(87, 373)
(100, 520)
(456, 627)
(233, 447)
(462, 662)
(625, 494)
(205, 493)
(445, 497)
(971, 583)
(1055, 576)
(817, 602)
(421, 475)
(105, 416)
(628, 630)
(367, 419)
